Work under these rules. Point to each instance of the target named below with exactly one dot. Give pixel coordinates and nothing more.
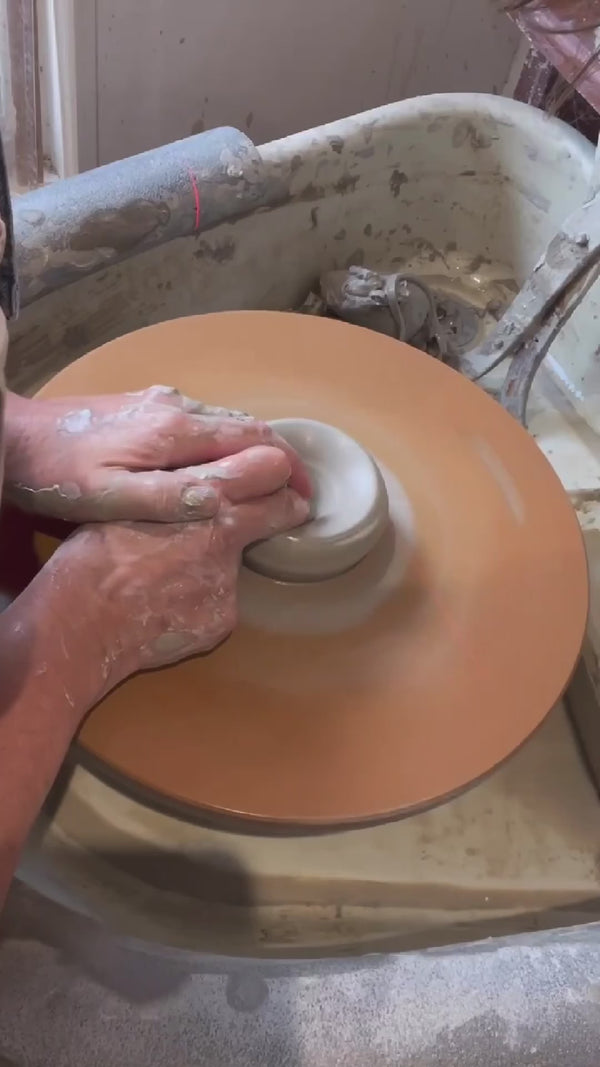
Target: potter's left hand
(131, 457)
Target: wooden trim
(22, 32)
(536, 79)
(572, 52)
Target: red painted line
(196, 200)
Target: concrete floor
(73, 996)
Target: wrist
(51, 672)
(54, 621)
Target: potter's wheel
(394, 685)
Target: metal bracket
(558, 283)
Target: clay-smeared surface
(437, 680)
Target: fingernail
(174, 644)
(303, 509)
(198, 496)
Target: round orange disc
(376, 693)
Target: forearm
(50, 675)
(19, 416)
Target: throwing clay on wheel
(403, 642)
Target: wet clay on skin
(385, 689)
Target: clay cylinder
(349, 509)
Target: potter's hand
(138, 456)
(114, 599)
(154, 594)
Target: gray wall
(152, 71)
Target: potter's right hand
(153, 594)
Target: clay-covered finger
(197, 407)
(190, 493)
(255, 472)
(160, 394)
(258, 519)
(167, 394)
(203, 438)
